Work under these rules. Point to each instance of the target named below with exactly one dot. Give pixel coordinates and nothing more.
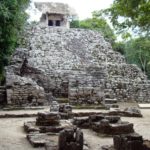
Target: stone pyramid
(76, 64)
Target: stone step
(2, 87)
(109, 106)
(1, 90)
(110, 101)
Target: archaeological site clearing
(67, 89)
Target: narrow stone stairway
(110, 103)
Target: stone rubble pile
(72, 63)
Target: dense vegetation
(137, 51)
(12, 19)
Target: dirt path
(95, 141)
(12, 136)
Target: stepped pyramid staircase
(110, 103)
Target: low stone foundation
(132, 141)
(48, 119)
(105, 127)
(110, 125)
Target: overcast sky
(82, 7)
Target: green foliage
(137, 51)
(119, 47)
(12, 19)
(75, 24)
(96, 23)
(125, 14)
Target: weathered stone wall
(23, 94)
(78, 64)
(87, 87)
(127, 90)
(22, 90)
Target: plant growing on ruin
(12, 19)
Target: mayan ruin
(66, 88)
